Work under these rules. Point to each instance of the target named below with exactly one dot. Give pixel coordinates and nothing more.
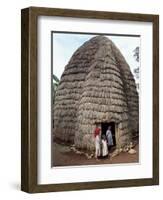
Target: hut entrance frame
(104, 127)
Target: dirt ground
(64, 155)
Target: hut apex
(96, 87)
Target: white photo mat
(143, 169)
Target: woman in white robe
(97, 136)
(97, 146)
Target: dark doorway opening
(104, 127)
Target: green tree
(136, 53)
(55, 85)
(137, 57)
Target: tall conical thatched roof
(96, 86)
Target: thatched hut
(96, 86)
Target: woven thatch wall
(96, 86)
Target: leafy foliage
(136, 70)
(55, 85)
(136, 53)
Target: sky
(65, 44)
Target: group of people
(103, 142)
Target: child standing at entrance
(104, 147)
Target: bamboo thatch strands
(96, 86)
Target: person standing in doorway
(109, 137)
(97, 135)
(104, 147)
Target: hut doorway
(104, 127)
